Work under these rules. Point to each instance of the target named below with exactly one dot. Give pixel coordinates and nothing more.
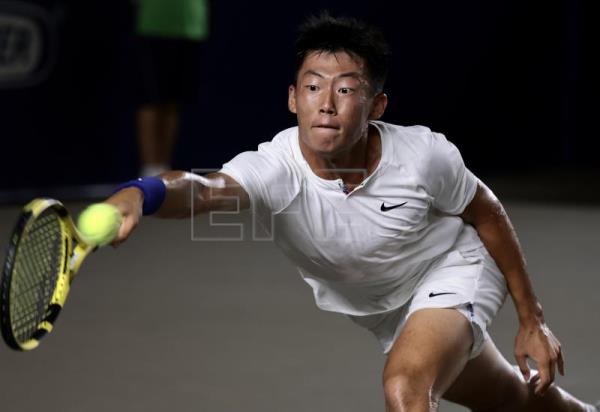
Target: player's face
(333, 101)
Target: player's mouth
(326, 126)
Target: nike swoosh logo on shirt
(433, 295)
(385, 208)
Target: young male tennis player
(387, 226)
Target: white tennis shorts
(468, 281)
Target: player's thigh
(488, 382)
(431, 350)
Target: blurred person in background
(169, 34)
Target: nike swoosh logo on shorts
(385, 208)
(433, 295)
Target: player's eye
(345, 90)
(312, 87)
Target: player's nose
(328, 103)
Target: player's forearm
(184, 196)
(178, 201)
(499, 237)
(188, 194)
(489, 218)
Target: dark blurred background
(510, 82)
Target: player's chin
(325, 143)
(329, 149)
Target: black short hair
(324, 33)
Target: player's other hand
(536, 341)
(130, 202)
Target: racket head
(43, 255)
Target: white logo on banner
(20, 47)
(27, 43)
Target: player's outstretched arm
(177, 194)
(534, 339)
(189, 193)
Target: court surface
(164, 323)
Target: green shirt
(186, 19)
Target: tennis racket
(45, 252)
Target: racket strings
(37, 265)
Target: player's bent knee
(402, 393)
(404, 388)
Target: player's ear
(292, 98)
(379, 104)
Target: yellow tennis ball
(99, 224)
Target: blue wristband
(154, 190)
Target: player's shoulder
(274, 155)
(282, 151)
(277, 157)
(269, 173)
(282, 144)
(408, 142)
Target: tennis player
(388, 227)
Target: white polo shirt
(363, 252)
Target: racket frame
(73, 251)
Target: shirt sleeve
(447, 179)
(266, 175)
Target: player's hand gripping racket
(44, 254)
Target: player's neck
(353, 165)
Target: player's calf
(554, 399)
(508, 392)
